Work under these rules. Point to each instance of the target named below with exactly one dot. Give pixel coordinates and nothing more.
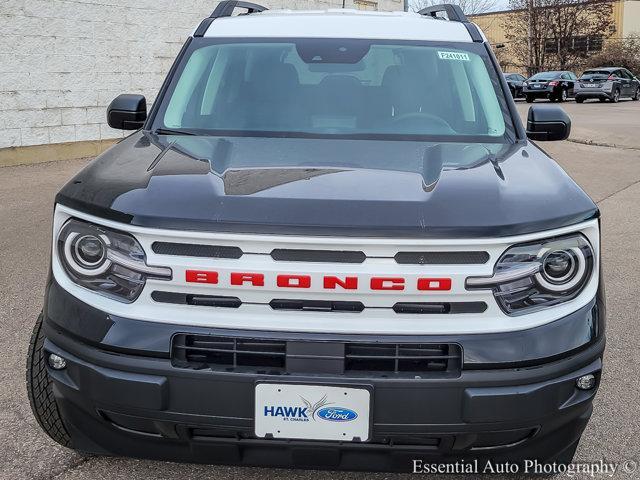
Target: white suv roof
(339, 23)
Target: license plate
(312, 412)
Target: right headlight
(106, 261)
(540, 274)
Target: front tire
(579, 100)
(530, 98)
(636, 95)
(40, 390)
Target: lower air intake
(280, 357)
(206, 351)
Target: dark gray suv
(607, 83)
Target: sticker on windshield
(464, 57)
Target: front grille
(280, 357)
(406, 357)
(322, 256)
(419, 308)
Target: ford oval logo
(337, 414)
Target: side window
(565, 76)
(521, 78)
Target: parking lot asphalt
(612, 124)
(610, 175)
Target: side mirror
(548, 123)
(127, 112)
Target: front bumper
(120, 395)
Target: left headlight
(532, 276)
(108, 262)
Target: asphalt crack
(617, 192)
(592, 143)
(64, 470)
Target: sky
(500, 5)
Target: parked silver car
(607, 83)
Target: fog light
(57, 362)
(586, 382)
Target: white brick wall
(63, 61)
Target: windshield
(333, 87)
(545, 76)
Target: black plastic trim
(454, 12)
(332, 256)
(316, 305)
(198, 300)
(431, 308)
(511, 104)
(442, 258)
(225, 9)
(203, 27)
(165, 85)
(474, 32)
(196, 250)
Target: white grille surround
(378, 317)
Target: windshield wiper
(168, 131)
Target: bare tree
(470, 7)
(623, 52)
(557, 34)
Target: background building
(63, 61)
(625, 17)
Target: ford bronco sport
(331, 244)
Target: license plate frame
(328, 409)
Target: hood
(328, 187)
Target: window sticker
(464, 57)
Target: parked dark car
(607, 83)
(555, 86)
(515, 82)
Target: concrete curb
(76, 150)
(53, 152)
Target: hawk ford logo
(310, 411)
(337, 414)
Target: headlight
(106, 261)
(532, 276)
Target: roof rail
(225, 9)
(454, 12)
